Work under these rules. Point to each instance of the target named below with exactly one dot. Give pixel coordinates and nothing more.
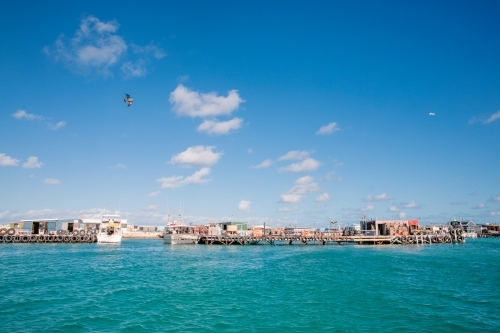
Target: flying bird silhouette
(128, 100)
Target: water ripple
(144, 285)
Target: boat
(176, 232)
(110, 229)
(470, 234)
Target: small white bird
(432, 114)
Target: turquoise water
(145, 285)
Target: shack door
(35, 228)
(382, 229)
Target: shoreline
(142, 236)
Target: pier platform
(329, 240)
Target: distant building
(491, 228)
(467, 226)
(235, 228)
(298, 231)
(388, 227)
(46, 226)
(148, 228)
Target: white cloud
(152, 49)
(183, 78)
(322, 197)
(291, 197)
(458, 203)
(180, 181)
(329, 177)
(393, 209)
(402, 215)
(194, 104)
(220, 127)
(308, 164)
(171, 182)
(52, 181)
(493, 117)
(32, 163)
(3, 214)
(328, 129)
(134, 68)
(302, 186)
(294, 155)
(95, 47)
(250, 150)
(21, 114)
(485, 119)
(94, 213)
(474, 120)
(412, 204)
(150, 208)
(264, 164)
(380, 197)
(479, 206)
(153, 194)
(244, 205)
(497, 198)
(368, 208)
(6, 160)
(495, 213)
(288, 209)
(57, 126)
(118, 166)
(35, 214)
(197, 155)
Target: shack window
(51, 226)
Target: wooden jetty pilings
(330, 239)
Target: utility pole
(265, 233)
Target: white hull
(110, 230)
(105, 238)
(180, 239)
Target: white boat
(179, 233)
(110, 230)
(470, 234)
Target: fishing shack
(51, 226)
(388, 227)
(45, 226)
(235, 228)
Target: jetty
(11, 236)
(332, 239)
(367, 232)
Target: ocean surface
(145, 285)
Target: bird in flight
(128, 100)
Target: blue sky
(284, 112)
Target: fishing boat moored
(110, 229)
(179, 233)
